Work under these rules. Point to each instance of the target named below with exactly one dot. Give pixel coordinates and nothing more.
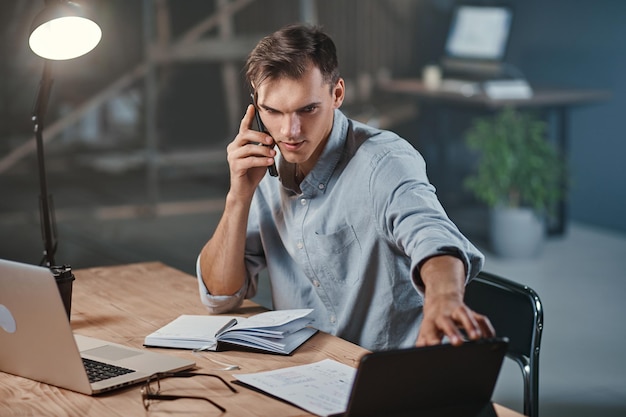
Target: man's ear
(339, 93)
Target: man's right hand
(247, 160)
(222, 258)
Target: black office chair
(516, 312)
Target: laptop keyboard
(99, 371)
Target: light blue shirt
(348, 241)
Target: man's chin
(292, 157)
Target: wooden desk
(123, 304)
(557, 101)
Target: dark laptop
(434, 381)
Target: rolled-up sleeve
(412, 216)
(217, 304)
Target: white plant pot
(516, 232)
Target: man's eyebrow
(313, 104)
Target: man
(351, 227)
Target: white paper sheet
(321, 388)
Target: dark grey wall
(580, 44)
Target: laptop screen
(478, 32)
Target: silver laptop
(38, 343)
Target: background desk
(557, 102)
(123, 304)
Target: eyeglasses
(151, 391)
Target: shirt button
(333, 319)
(321, 186)
(316, 283)
(299, 245)
(303, 201)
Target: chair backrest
(516, 312)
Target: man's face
(299, 114)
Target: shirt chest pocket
(337, 255)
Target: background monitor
(479, 32)
(477, 37)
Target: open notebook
(37, 340)
(277, 331)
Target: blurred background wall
(144, 119)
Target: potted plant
(520, 176)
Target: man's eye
(309, 109)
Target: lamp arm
(45, 200)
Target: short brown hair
(289, 51)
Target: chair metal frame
(516, 312)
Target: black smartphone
(272, 168)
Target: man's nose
(291, 126)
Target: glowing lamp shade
(61, 32)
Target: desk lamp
(61, 31)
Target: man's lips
(291, 146)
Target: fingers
(462, 324)
(247, 160)
(246, 121)
(434, 329)
(486, 328)
(466, 320)
(429, 335)
(244, 155)
(476, 326)
(248, 134)
(450, 328)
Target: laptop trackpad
(111, 352)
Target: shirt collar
(317, 180)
